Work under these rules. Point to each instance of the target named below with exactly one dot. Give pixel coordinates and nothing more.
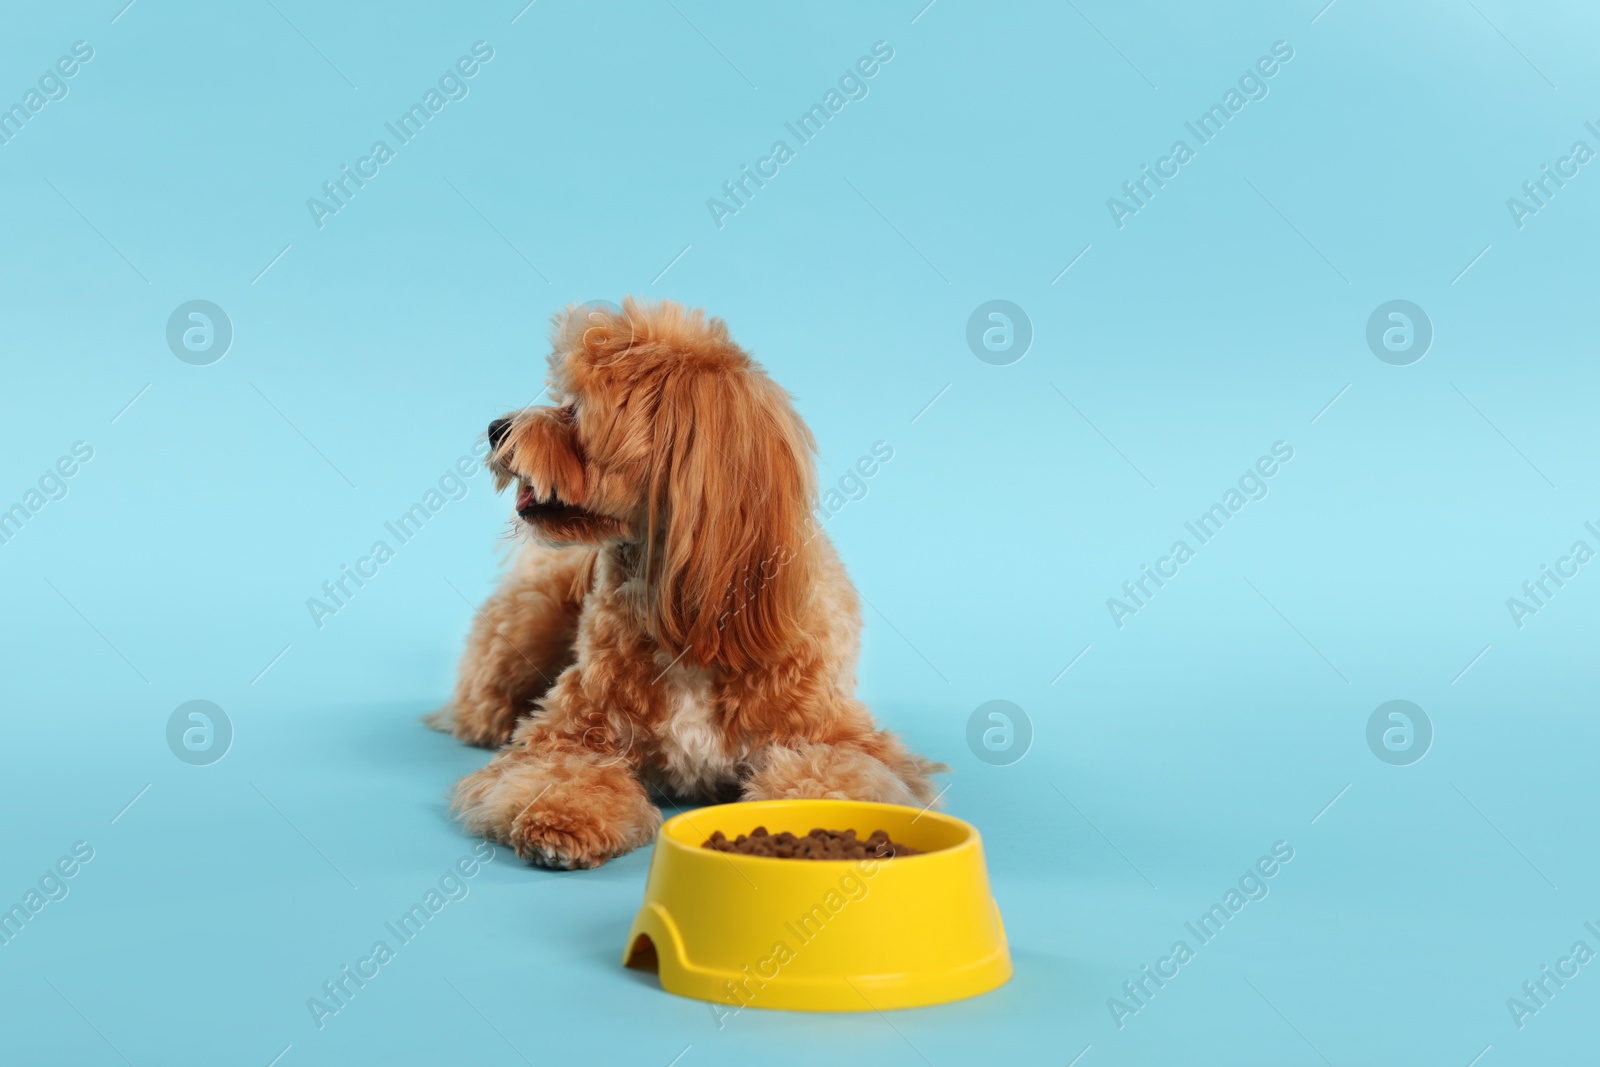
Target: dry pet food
(817, 845)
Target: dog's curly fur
(675, 622)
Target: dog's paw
(573, 828)
(562, 808)
(842, 772)
(486, 722)
(539, 842)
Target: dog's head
(664, 435)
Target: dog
(674, 623)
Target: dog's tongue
(525, 498)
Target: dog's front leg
(521, 640)
(558, 799)
(873, 767)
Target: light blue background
(1224, 317)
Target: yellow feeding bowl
(820, 935)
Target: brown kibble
(819, 844)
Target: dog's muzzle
(497, 431)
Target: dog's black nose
(497, 431)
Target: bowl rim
(970, 837)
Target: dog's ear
(729, 559)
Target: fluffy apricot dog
(675, 624)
